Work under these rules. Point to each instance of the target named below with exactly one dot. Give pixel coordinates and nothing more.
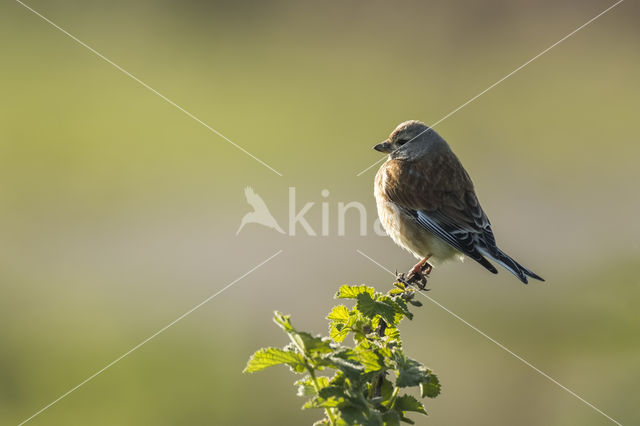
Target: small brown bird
(427, 204)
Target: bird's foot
(417, 280)
(418, 275)
(414, 279)
(401, 278)
(421, 268)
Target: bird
(260, 213)
(427, 204)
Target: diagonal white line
(500, 345)
(64, 395)
(145, 85)
(371, 166)
(518, 357)
(503, 78)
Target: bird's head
(406, 133)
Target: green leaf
(332, 392)
(283, 321)
(352, 291)
(393, 333)
(360, 391)
(369, 359)
(430, 387)
(410, 372)
(307, 343)
(341, 323)
(320, 403)
(339, 313)
(371, 307)
(344, 361)
(267, 357)
(409, 403)
(386, 392)
(338, 332)
(338, 379)
(328, 397)
(401, 307)
(391, 418)
(407, 420)
(312, 344)
(322, 381)
(358, 416)
(306, 387)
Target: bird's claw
(415, 278)
(401, 278)
(419, 280)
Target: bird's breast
(404, 230)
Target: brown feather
(436, 182)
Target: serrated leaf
(391, 418)
(338, 379)
(430, 387)
(338, 332)
(306, 342)
(268, 357)
(341, 322)
(365, 345)
(358, 416)
(323, 381)
(306, 387)
(371, 307)
(312, 344)
(393, 333)
(385, 352)
(410, 371)
(332, 392)
(306, 390)
(401, 307)
(395, 292)
(346, 365)
(369, 360)
(407, 420)
(355, 394)
(328, 397)
(339, 313)
(409, 403)
(344, 361)
(319, 403)
(352, 291)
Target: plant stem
(394, 395)
(316, 385)
(312, 374)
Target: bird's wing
(438, 193)
(255, 200)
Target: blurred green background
(118, 213)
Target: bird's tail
(514, 267)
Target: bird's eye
(401, 142)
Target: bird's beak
(383, 147)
